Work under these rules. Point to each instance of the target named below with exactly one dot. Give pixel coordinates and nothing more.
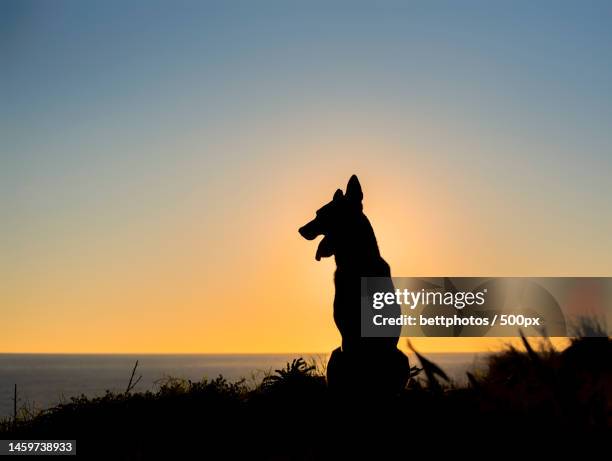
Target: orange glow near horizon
(234, 276)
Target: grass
(290, 414)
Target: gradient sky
(157, 159)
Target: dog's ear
(353, 190)
(338, 194)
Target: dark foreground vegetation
(536, 400)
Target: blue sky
(127, 125)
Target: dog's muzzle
(311, 230)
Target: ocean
(44, 380)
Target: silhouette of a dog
(365, 365)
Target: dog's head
(333, 217)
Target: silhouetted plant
(414, 372)
(589, 327)
(431, 370)
(571, 396)
(296, 373)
